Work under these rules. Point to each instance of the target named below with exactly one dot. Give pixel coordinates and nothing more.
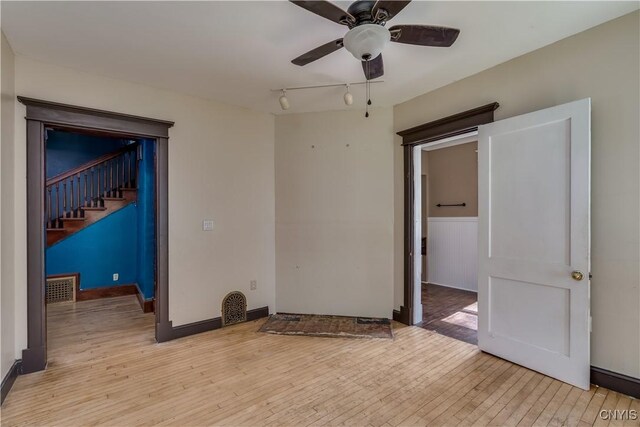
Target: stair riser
(93, 216)
(73, 226)
(114, 205)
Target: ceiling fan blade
(318, 52)
(424, 35)
(392, 7)
(326, 10)
(375, 66)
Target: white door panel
(533, 232)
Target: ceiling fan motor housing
(366, 41)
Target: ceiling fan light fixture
(284, 101)
(366, 42)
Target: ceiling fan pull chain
(368, 89)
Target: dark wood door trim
(453, 125)
(45, 114)
(34, 357)
(457, 124)
(74, 117)
(164, 329)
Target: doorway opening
(100, 235)
(448, 224)
(533, 234)
(46, 213)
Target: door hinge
(590, 324)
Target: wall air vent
(234, 308)
(61, 289)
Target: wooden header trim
(454, 125)
(54, 113)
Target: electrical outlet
(115, 277)
(207, 225)
(254, 285)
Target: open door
(533, 238)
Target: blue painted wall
(123, 242)
(66, 150)
(146, 249)
(105, 247)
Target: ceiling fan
(367, 35)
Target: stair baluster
(49, 212)
(57, 204)
(117, 176)
(91, 193)
(64, 199)
(86, 183)
(111, 180)
(105, 180)
(78, 211)
(123, 173)
(129, 160)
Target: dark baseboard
(9, 379)
(257, 313)
(197, 327)
(403, 316)
(106, 292)
(616, 382)
(147, 305)
(34, 359)
(167, 332)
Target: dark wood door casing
(446, 127)
(42, 115)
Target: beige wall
(7, 291)
(602, 63)
(221, 167)
(334, 217)
(452, 179)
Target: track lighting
(284, 102)
(348, 98)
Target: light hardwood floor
(106, 369)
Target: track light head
(348, 98)
(284, 101)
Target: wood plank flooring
(450, 312)
(106, 369)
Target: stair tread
(73, 219)
(94, 208)
(56, 229)
(114, 198)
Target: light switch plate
(254, 285)
(116, 276)
(207, 225)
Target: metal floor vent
(234, 308)
(61, 289)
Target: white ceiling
(235, 52)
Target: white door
(533, 240)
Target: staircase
(90, 192)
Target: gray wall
(452, 179)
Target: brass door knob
(577, 275)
